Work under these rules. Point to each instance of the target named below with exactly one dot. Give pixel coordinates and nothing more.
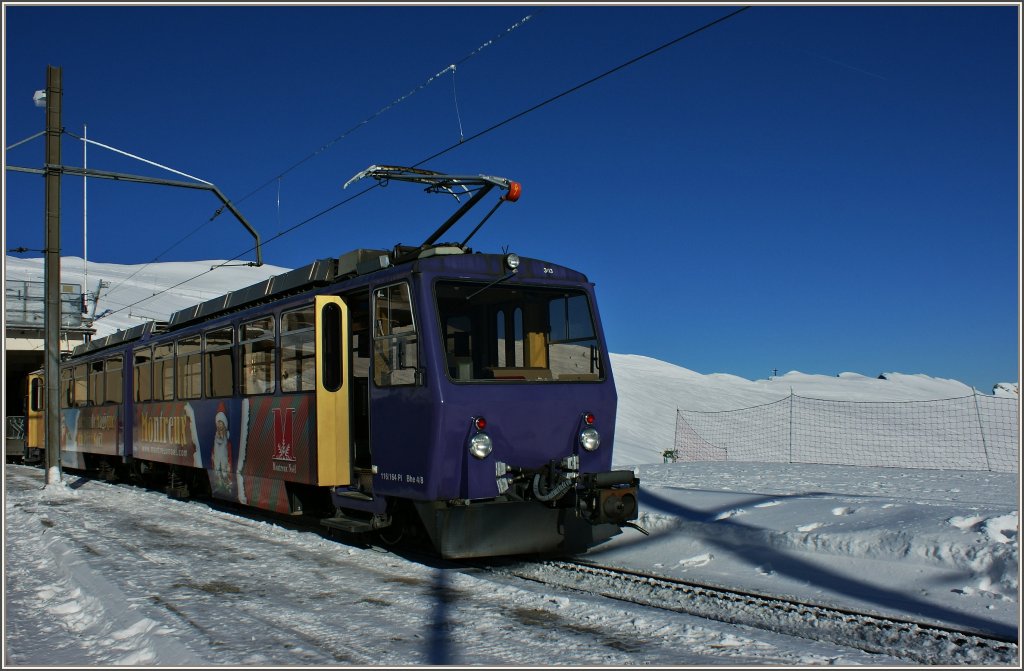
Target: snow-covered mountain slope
(132, 294)
(650, 392)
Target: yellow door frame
(333, 428)
(35, 427)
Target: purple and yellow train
(462, 396)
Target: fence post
(790, 425)
(981, 428)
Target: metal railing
(14, 428)
(25, 305)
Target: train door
(333, 429)
(401, 412)
(359, 377)
(35, 426)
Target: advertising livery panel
(94, 429)
(277, 446)
(166, 432)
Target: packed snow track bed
(102, 574)
(920, 642)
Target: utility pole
(51, 368)
(85, 206)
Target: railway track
(920, 642)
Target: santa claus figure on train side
(222, 473)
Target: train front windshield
(506, 333)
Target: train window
(510, 337)
(258, 356)
(189, 368)
(113, 380)
(499, 332)
(258, 328)
(220, 366)
(570, 319)
(163, 372)
(297, 320)
(37, 393)
(95, 383)
(143, 377)
(81, 395)
(67, 387)
(298, 350)
(330, 347)
(394, 344)
(459, 346)
(512, 333)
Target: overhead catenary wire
(475, 136)
(584, 84)
(393, 103)
(455, 97)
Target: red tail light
(588, 418)
(480, 423)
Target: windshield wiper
(488, 286)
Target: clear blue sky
(821, 189)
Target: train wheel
(405, 529)
(391, 535)
(106, 472)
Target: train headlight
(512, 261)
(590, 439)
(480, 445)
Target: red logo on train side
(284, 422)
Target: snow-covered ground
(99, 574)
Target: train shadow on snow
(743, 541)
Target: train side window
(95, 383)
(37, 394)
(220, 365)
(163, 372)
(258, 355)
(189, 367)
(298, 350)
(143, 378)
(113, 380)
(67, 387)
(394, 342)
(81, 395)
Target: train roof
(322, 272)
(319, 273)
(120, 337)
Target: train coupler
(610, 497)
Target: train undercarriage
(579, 512)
